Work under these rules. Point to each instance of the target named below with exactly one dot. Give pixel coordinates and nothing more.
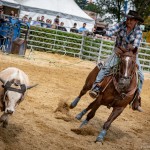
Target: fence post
(100, 50)
(82, 43)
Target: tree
(81, 3)
(142, 6)
(113, 7)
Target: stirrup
(93, 94)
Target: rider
(129, 36)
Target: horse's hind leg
(95, 105)
(115, 113)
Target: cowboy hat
(134, 14)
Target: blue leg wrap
(85, 122)
(75, 102)
(81, 114)
(101, 136)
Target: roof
(64, 8)
(10, 3)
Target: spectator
(1, 14)
(48, 23)
(37, 22)
(12, 13)
(55, 24)
(25, 19)
(29, 22)
(94, 29)
(42, 21)
(74, 28)
(61, 27)
(56, 19)
(30, 19)
(82, 29)
(16, 15)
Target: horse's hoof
(100, 140)
(71, 107)
(78, 117)
(101, 136)
(85, 122)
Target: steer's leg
(4, 119)
(5, 123)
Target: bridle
(132, 69)
(8, 87)
(119, 79)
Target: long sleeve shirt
(123, 39)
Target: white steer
(13, 86)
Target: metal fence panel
(79, 45)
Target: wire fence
(77, 45)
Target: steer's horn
(2, 80)
(31, 86)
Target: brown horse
(119, 91)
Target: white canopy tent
(68, 11)
(10, 3)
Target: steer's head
(14, 93)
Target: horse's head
(127, 68)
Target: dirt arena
(43, 122)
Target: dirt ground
(43, 122)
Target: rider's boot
(94, 92)
(137, 103)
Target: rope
(49, 60)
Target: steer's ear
(2, 80)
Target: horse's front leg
(77, 99)
(87, 86)
(115, 113)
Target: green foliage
(113, 7)
(81, 3)
(75, 44)
(142, 7)
(65, 42)
(54, 40)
